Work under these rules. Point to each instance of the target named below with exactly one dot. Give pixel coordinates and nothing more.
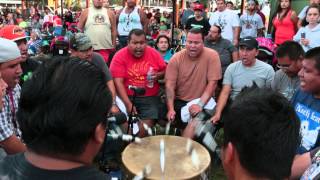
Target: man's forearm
(122, 93)
(170, 97)
(208, 92)
(112, 88)
(13, 145)
(236, 33)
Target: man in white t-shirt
(251, 22)
(228, 21)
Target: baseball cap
(80, 42)
(8, 50)
(198, 7)
(249, 42)
(12, 32)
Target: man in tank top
(130, 17)
(99, 24)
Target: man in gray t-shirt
(242, 74)
(228, 53)
(81, 46)
(286, 81)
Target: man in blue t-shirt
(306, 102)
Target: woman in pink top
(284, 22)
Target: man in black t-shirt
(62, 117)
(198, 21)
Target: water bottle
(149, 78)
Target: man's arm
(122, 93)
(113, 27)
(144, 20)
(12, 145)
(170, 95)
(83, 19)
(114, 108)
(206, 95)
(236, 33)
(222, 101)
(299, 165)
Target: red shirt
(134, 70)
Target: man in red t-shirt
(129, 67)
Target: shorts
(147, 107)
(105, 53)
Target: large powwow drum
(166, 157)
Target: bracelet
(114, 103)
(200, 104)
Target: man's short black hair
(61, 105)
(197, 31)
(291, 49)
(314, 54)
(264, 129)
(219, 28)
(137, 32)
(229, 2)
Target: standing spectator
(309, 36)
(303, 13)
(286, 81)
(99, 24)
(284, 22)
(48, 17)
(128, 18)
(10, 70)
(17, 34)
(251, 23)
(130, 67)
(226, 50)
(228, 21)
(198, 21)
(188, 12)
(230, 5)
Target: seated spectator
(286, 81)
(307, 101)
(163, 46)
(309, 36)
(62, 115)
(261, 135)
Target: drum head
(178, 163)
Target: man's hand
(215, 119)
(171, 115)
(305, 42)
(129, 108)
(194, 109)
(114, 109)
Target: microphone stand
(131, 120)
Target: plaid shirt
(7, 127)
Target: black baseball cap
(249, 42)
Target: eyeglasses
(283, 66)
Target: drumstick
(147, 128)
(194, 155)
(144, 173)
(162, 155)
(168, 128)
